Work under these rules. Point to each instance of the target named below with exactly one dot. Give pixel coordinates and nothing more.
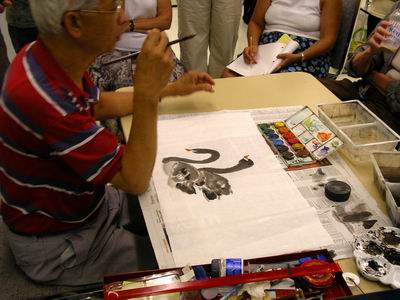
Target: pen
(134, 54)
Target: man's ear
(72, 24)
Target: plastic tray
(361, 131)
(387, 177)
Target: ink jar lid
(318, 280)
(337, 191)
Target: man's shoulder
(31, 86)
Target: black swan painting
(188, 178)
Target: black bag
(249, 6)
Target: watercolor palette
(301, 139)
(377, 254)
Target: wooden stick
(135, 54)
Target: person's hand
(189, 83)
(380, 34)
(154, 66)
(250, 54)
(287, 59)
(4, 4)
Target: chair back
(339, 51)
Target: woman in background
(314, 24)
(21, 26)
(143, 16)
(216, 25)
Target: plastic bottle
(392, 42)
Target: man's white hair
(48, 14)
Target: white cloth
(216, 25)
(298, 17)
(132, 41)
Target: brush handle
(135, 54)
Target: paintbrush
(135, 54)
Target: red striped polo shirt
(54, 159)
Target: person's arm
(154, 67)
(389, 87)
(363, 61)
(380, 81)
(331, 11)
(114, 105)
(161, 21)
(254, 30)
(120, 104)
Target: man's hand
(4, 4)
(189, 83)
(287, 59)
(380, 34)
(154, 66)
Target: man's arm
(153, 70)
(120, 104)
(154, 67)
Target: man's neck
(72, 58)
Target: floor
(172, 33)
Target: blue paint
(273, 136)
(277, 142)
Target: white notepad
(266, 58)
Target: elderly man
(65, 224)
(379, 86)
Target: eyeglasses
(118, 6)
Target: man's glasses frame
(118, 8)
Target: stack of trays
(361, 131)
(387, 178)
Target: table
(284, 89)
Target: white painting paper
(231, 198)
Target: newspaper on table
(341, 220)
